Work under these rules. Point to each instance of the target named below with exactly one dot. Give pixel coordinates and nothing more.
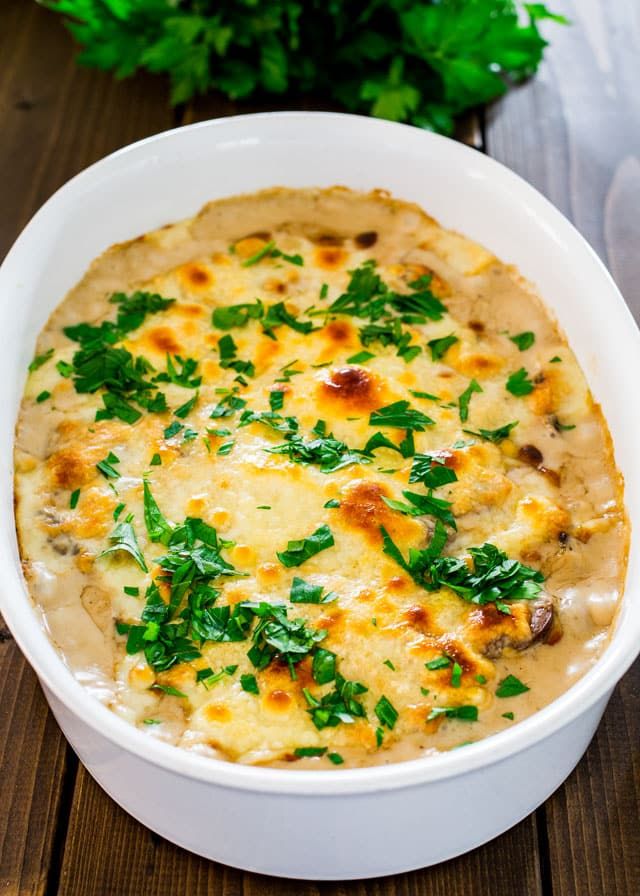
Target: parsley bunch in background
(422, 63)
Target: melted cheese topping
(548, 495)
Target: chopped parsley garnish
(42, 396)
(339, 705)
(389, 664)
(173, 429)
(167, 689)
(259, 255)
(305, 593)
(106, 467)
(276, 400)
(511, 687)
(400, 415)
(561, 427)
(465, 398)
(276, 635)
(302, 752)
(466, 713)
(228, 405)
(185, 409)
(155, 461)
(228, 360)
(336, 758)
(99, 364)
(386, 712)
(270, 250)
(180, 371)
(39, 360)
(427, 395)
(286, 425)
(519, 383)
(73, 500)
(131, 590)
(64, 368)
(379, 736)
(249, 683)
(226, 447)
(117, 511)
(360, 357)
(302, 549)
(421, 505)
(494, 578)
(277, 315)
(440, 662)
(123, 538)
(555, 360)
(323, 667)
(226, 318)
(431, 471)
(456, 675)
(494, 435)
(425, 692)
(406, 447)
(332, 502)
(151, 722)
(508, 715)
(481, 679)
(324, 290)
(523, 340)
(207, 677)
(328, 453)
(439, 347)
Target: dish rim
(21, 615)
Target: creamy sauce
(548, 495)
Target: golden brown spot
(277, 286)
(329, 620)
(163, 339)
(268, 573)
(366, 239)
(196, 506)
(457, 652)
(249, 246)
(418, 618)
(266, 350)
(362, 507)
(141, 677)
(94, 518)
(242, 554)
(187, 310)
(189, 328)
(330, 257)
(220, 517)
(397, 583)
(351, 388)
(195, 276)
(278, 700)
(339, 331)
(217, 713)
(476, 325)
(69, 469)
(478, 365)
(488, 617)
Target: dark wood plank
(109, 854)
(55, 121)
(575, 134)
(32, 768)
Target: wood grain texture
(56, 120)
(575, 134)
(125, 859)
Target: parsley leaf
(123, 538)
(466, 713)
(400, 415)
(511, 687)
(519, 383)
(523, 340)
(299, 551)
(339, 705)
(439, 347)
(465, 398)
(494, 435)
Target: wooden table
(574, 132)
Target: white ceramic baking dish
(341, 823)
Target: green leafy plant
(418, 62)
